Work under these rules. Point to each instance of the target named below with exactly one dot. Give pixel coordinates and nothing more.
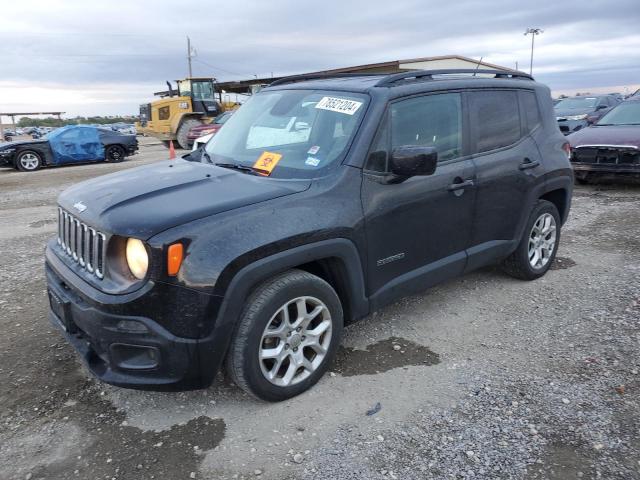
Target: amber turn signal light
(174, 258)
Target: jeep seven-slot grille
(84, 244)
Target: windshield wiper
(235, 166)
(615, 124)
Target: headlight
(137, 258)
(577, 117)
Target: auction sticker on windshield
(267, 162)
(340, 105)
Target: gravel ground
(483, 377)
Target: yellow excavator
(179, 109)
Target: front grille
(607, 155)
(83, 244)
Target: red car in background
(610, 146)
(208, 128)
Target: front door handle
(527, 164)
(460, 184)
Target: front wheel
(287, 336)
(28, 161)
(537, 248)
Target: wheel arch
(558, 191)
(116, 144)
(336, 261)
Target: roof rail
(389, 80)
(319, 76)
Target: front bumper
(606, 159)
(570, 126)
(127, 350)
(6, 158)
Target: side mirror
(601, 107)
(411, 160)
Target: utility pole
(190, 55)
(533, 32)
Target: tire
(28, 161)
(524, 264)
(263, 326)
(181, 136)
(114, 154)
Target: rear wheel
(28, 161)
(114, 153)
(539, 244)
(181, 136)
(287, 336)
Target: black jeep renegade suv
(319, 201)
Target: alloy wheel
(29, 161)
(542, 241)
(295, 341)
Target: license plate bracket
(60, 308)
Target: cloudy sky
(107, 57)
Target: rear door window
(495, 119)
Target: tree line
(55, 122)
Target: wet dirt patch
(123, 451)
(562, 263)
(382, 356)
(105, 446)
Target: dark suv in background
(578, 112)
(320, 201)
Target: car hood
(20, 143)
(144, 201)
(606, 135)
(565, 112)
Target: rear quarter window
(495, 118)
(530, 110)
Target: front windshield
(577, 102)
(627, 113)
(289, 133)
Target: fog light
(134, 357)
(132, 326)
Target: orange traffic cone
(172, 150)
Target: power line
(218, 68)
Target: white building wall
(440, 64)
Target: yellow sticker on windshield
(267, 162)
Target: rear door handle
(460, 185)
(527, 164)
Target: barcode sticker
(340, 105)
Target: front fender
(251, 275)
